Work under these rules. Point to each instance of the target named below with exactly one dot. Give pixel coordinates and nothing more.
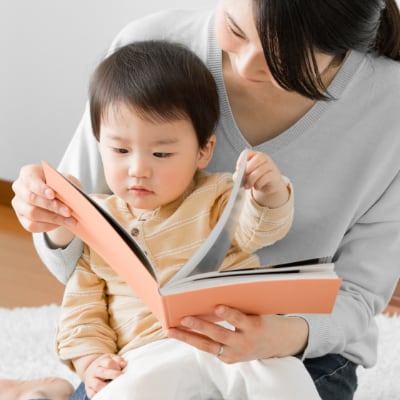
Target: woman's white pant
(172, 370)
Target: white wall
(48, 49)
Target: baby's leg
(279, 379)
(49, 388)
(165, 369)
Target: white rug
(27, 351)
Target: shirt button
(135, 232)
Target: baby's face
(147, 163)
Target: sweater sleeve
(83, 327)
(60, 262)
(82, 160)
(368, 262)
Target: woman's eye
(232, 29)
(162, 155)
(235, 33)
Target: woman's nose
(251, 64)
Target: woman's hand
(254, 337)
(36, 206)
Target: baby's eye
(120, 150)
(162, 155)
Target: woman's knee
(334, 376)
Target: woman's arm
(368, 262)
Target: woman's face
(238, 38)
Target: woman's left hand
(253, 337)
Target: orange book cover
(299, 288)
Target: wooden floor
(24, 281)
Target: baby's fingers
(107, 374)
(114, 362)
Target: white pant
(172, 370)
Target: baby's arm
(97, 370)
(267, 213)
(84, 334)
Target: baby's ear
(206, 153)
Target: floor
(24, 280)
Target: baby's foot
(47, 388)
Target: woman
(315, 84)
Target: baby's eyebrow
(166, 141)
(115, 137)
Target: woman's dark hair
(291, 30)
(161, 81)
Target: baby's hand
(101, 371)
(263, 177)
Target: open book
(304, 287)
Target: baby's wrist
(276, 199)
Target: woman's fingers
(236, 337)
(35, 204)
(246, 337)
(201, 342)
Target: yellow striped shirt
(101, 314)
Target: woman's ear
(206, 153)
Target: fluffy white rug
(27, 346)
(27, 351)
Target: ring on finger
(220, 351)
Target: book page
(212, 252)
(229, 277)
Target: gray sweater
(343, 158)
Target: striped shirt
(101, 314)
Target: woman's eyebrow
(232, 21)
